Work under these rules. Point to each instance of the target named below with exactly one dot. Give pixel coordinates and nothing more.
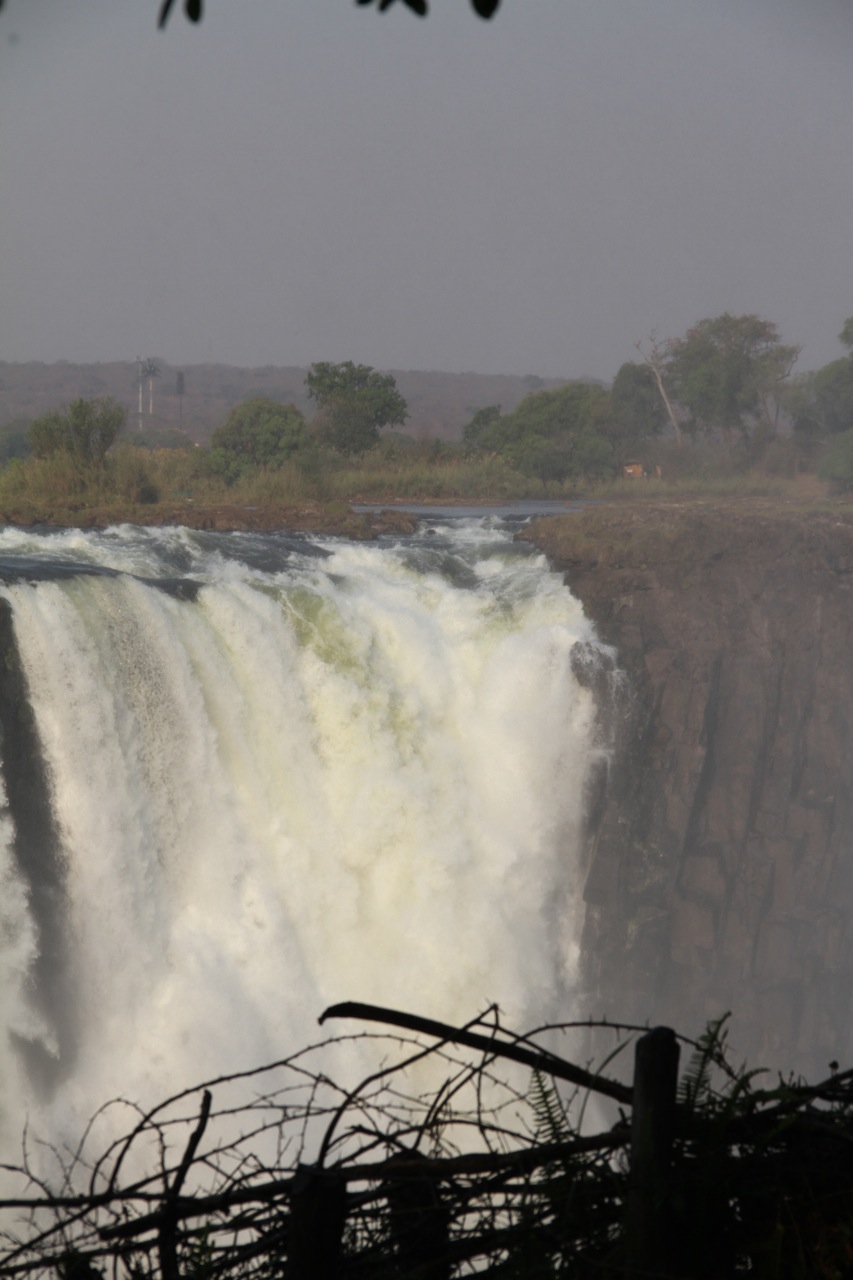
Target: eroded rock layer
(721, 873)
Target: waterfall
(247, 776)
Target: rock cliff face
(721, 869)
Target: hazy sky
(301, 180)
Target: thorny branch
(457, 1155)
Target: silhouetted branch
(537, 1061)
(479, 1175)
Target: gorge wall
(721, 863)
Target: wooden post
(317, 1218)
(649, 1228)
(419, 1222)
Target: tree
(836, 465)
(355, 403)
(258, 433)
(826, 403)
(555, 434)
(727, 372)
(654, 362)
(473, 431)
(845, 337)
(823, 401)
(84, 431)
(637, 410)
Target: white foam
(348, 780)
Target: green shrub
(836, 465)
(131, 475)
(85, 430)
(257, 433)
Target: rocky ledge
(721, 863)
(306, 517)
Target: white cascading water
(336, 771)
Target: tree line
(354, 403)
(727, 385)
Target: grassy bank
(130, 478)
(147, 486)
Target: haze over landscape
(376, 628)
(303, 180)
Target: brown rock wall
(721, 872)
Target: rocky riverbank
(721, 873)
(306, 517)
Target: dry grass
(132, 478)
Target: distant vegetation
(82, 435)
(717, 407)
(196, 399)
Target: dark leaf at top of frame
(419, 6)
(192, 8)
(485, 8)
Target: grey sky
(301, 180)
